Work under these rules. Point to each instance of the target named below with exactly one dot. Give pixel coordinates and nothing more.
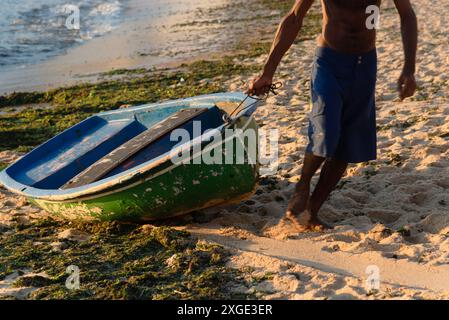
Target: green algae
(119, 72)
(71, 105)
(312, 26)
(34, 281)
(21, 98)
(282, 5)
(312, 22)
(310, 29)
(3, 165)
(119, 261)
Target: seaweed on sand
(118, 261)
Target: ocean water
(34, 30)
(38, 51)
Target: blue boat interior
(65, 156)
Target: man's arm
(285, 36)
(409, 30)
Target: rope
(271, 89)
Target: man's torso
(344, 26)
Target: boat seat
(112, 160)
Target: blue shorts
(342, 122)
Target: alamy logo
(73, 280)
(373, 278)
(229, 146)
(73, 20)
(373, 20)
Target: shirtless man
(342, 125)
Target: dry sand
(392, 213)
(14, 209)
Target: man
(342, 125)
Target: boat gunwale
(144, 178)
(104, 186)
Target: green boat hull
(176, 190)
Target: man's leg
(331, 173)
(300, 199)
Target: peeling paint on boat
(78, 211)
(176, 191)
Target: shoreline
(167, 41)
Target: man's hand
(260, 85)
(406, 85)
(285, 36)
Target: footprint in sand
(419, 198)
(383, 216)
(435, 223)
(280, 230)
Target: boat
(119, 164)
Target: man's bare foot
(299, 213)
(316, 224)
(305, 221)
(296, 210)
(300, 199)
(300, 221)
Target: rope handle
(272, 88)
